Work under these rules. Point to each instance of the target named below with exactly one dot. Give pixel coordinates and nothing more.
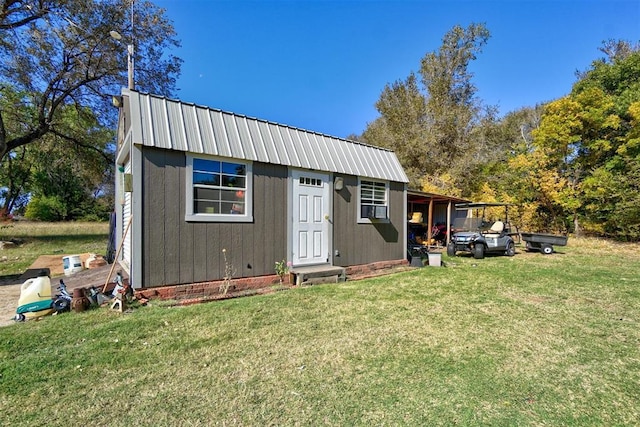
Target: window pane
(200, 193)
(232, 208)
(234, 169)
(228, 195)
(206, 179)
(379, 197)
(206, 165)
(233, 181)
(206, 207)
(237, 208)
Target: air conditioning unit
(374, 212)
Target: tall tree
(433, 124)
(582, 166)
(59, 53)
(452, 103)
(401, 126)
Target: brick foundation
(214, 290)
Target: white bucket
(435, 259)
(71, 264)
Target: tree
(433, 124)
(58, 54)
(74, 178)
(581, 170)
(402, 124)
(71, 175)
(453, 107)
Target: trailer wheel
(528, 246)
(451, 249)
(546, 249)
(20, 317)
(478, 251)
(511, 249)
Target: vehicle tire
(478, 251)
(511, 249)
(528, 246)
(451, 249)
(546, 249)
(20, 317)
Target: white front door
(310, 218)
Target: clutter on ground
(84, 272)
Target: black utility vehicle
(476, 235)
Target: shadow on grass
(59, 238)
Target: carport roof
(175, 125)
(414, 196)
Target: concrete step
(317, 274)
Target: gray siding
(365, 243)
(177, 252)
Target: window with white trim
(218, 190)
(373, 200)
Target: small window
(373, 201)
(218, 190)
(311, 182)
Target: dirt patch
(9, 295)
(10, 285)
(54, 263)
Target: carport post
(448, 222)
(430, 221)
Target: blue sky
(321, 64)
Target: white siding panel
(126, 217)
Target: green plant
(282, 268)
(46, 209)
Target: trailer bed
(543, 242)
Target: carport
(431, 209)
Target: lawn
(527, 340)
(33, 239)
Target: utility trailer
(542, 242)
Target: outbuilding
(204, 195)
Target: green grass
(41, 238)
(528, 340)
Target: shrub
(45, 209)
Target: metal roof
(480, 205)
(415, 196)
(175, 125)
